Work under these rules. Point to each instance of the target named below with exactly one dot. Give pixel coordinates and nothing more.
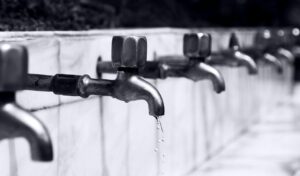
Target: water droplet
(156, 150)
(159, 125)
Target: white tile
(143, 140)
(43, 59)
(79, 54)
(201, 128)
(178, 123)
(214, 117)
(164, 44)
(115, 120)
(8, 163)
(79, 139)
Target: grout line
(58, 137)
(194, 94)
(59, 112)
(128, 141)
(61, 104)
(13, 158)
(102, 138)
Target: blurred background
(91, 14)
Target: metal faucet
(259, 52)
(196, 48)
(128, 54)
(284, 45)
(295, 37)
(233, 57)
(14, 120)
(278, 43)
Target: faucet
(233, 57)
(285, 44)
(196, 47)
(14, 120)
(278, 43)
(128, 54)
(295, 36)
(259, 51)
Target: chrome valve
(276, 43)
(259, 52)
(233, 57)
(128, 55)
(14, 120)
(196, 48)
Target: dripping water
(159, 147)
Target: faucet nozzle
(17, 122)
(233, 57)
(129, 54)
(197, 47)
(269, 58)
(247, 61)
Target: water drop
(159, 125)
(156, 150)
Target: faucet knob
(129, 51)
(13, 67)
(288, 37)
(295, 34)
(263, 39)
(234, 42)
(197, 45)
(281, 33)
(281, 36)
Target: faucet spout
(286, 54)
(203, 71)
(17, 122)
(128, 87)
(270, 58)
(247, 61)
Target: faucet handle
(129, 51)
(288, 37)
(234, 43)
(264, 39)
(197, 45)
(13, 67)
(280, 37)
(295, 35)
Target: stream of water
(159, 147)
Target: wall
(104, 136)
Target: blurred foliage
(92, 14)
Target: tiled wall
(104, 136)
